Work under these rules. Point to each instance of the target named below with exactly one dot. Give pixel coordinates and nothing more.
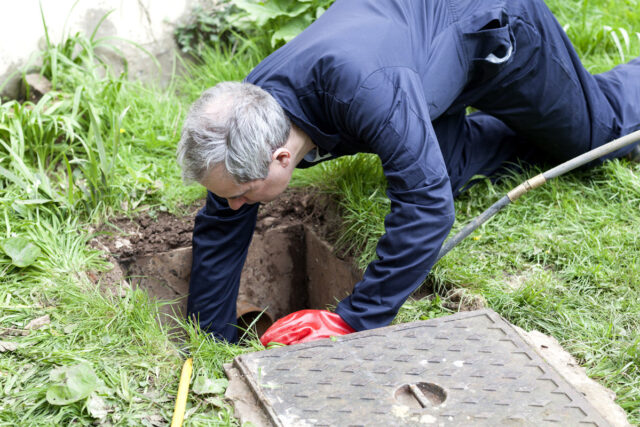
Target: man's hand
(304, 326)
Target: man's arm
(390, 113)
(221, 238)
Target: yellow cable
(183, 391)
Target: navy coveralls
(394, 78)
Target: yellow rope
(183, 391)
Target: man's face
(222, 184)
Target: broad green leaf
(21, 251)
(262, 12)
(205, 385)
(288, 31)
(259, 13)
(71, 384)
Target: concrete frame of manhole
(288, 268)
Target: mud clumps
(151, 234)
(145, 235)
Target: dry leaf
(12, 332)
(38, 323)
(8, 346)
(154, 420)
(97, 407)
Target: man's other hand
(304, 326)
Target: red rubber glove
(304, 326)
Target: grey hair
(237, 124)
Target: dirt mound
(162, 232)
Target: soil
(289, 266)
(147, 235)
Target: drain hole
(250, 316)
(287, 269)
(420, 395)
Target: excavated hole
(288, 268)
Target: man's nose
(235, 204)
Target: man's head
(233, 143)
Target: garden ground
(564, 260)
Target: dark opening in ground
(288, 268)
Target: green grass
(97, 147)
(598, 30)
(564, 259)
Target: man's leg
(545, 94)
(479, 144)
(621, 88)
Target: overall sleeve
(390, 114)
(221, 238)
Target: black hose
(536, 182)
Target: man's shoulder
(337, 52)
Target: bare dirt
(162, 232)
(289, 266)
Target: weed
(207, 27)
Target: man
(392, 78)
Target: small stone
(122, 243)
(269, 221)
(7, 346)
(38, 85)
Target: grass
(563, 259)
(571, 257)
(98, 146)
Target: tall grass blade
(94, 132)
(116, 140)
(625, 37)
(99, 24)
(44, 24)
(616, 42)
(70, 184)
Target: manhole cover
(466, 369)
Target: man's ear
(282, 156)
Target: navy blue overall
(394, 78)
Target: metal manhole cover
(466, 369)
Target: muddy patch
(290, 265)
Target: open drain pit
(288, 268)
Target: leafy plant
(228, 22)
(206, 27)
(203, 384)
(71, 384)
(22, 251)
(279, 20)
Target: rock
(269, 221)
(38, 86)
